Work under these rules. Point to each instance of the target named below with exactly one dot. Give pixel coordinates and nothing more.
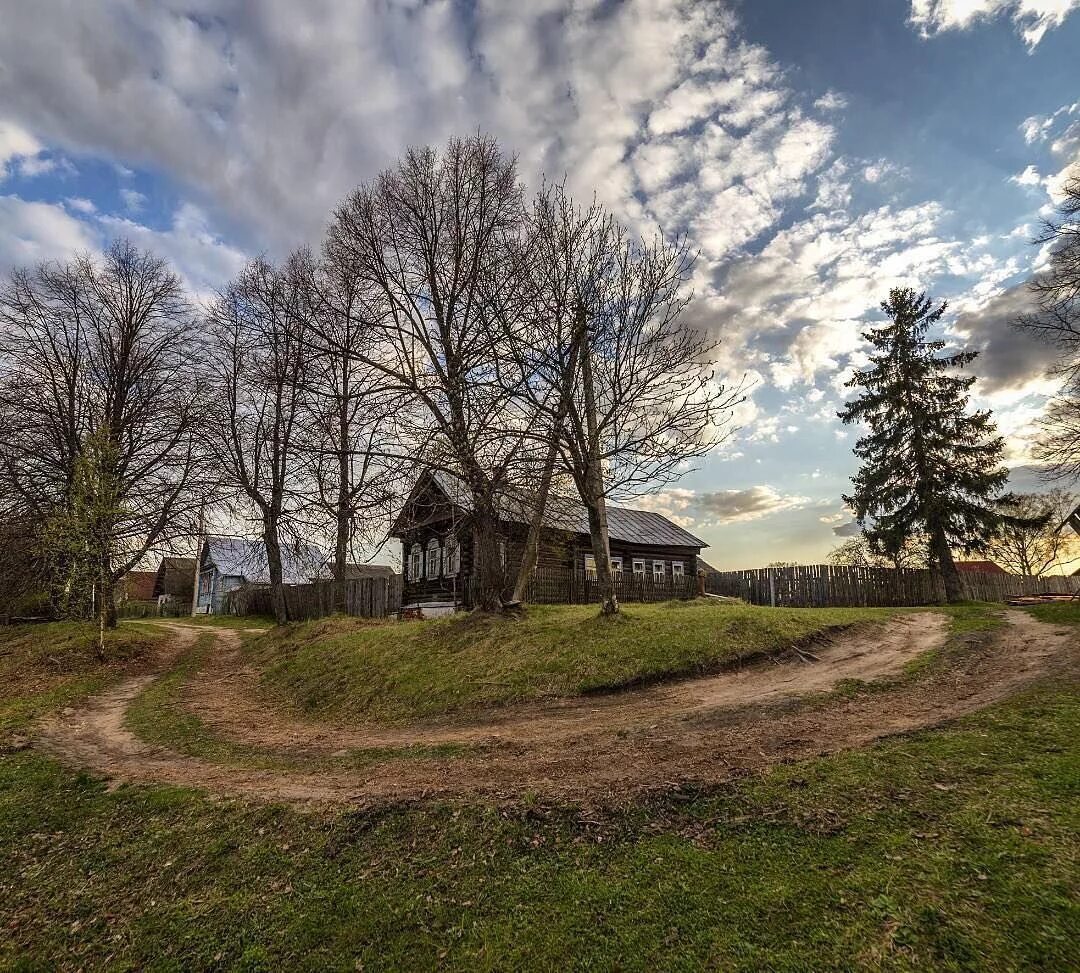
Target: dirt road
(595, 749)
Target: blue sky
(816, 153)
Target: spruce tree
(928, 465)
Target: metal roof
(627, 524)
(246, 558)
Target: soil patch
(590, 750)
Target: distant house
(136, 586)
(436, 548)
(226, 563)
(979, 567)
(175, 580)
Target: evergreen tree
(928, 466)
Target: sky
(816, 154)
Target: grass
(351, 669)
(1057, 613)
(946, 850)
(48, 666)
(157, 715)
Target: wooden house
(136, 586)
(436, 543)
(226, 563)
(175, 580)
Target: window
(434, 558)
(678, 569)
(416, 570)
(658, 571)
(639, 565)
(616, 565)
(452, 556)
(590, 566)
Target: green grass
(1057, 613)
(157, 715)
(48, 666)
(946, 850)
(392, 672)
(226, 621)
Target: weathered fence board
(362, 597)
(551, 586)
(829, 586)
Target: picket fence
(829, 586)
(363, 598)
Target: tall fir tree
(928, 465)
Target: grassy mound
(391, 672)
(46, 666)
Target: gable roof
(627, 524)
(979, 567)
(354, 572)
(175, 575)
(242, 557)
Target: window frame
(616, 563)
(662, 573)
(589, 566)
(635, 562)
(681, 573)
(451, 557)
(416, 562)
(433, 548)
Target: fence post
(772, 587)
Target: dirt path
(596, 749)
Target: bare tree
(1034, 538)
(350, 440)
(563, 253)
(1057, 321)
(429, 240)
(259, 327)
(646, 403)
(102, 351)
(858, 552)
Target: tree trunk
(487, 569)
(107, 603)
(594, 491)
(536, 526)
(273, 560)
(943, 558)
(344, 506)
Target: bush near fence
(829, 586)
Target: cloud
(753, 503)
(850, 529)
(16, 145)
(1032, 18)
(133, 199)
(1010, 359)
(32, 231)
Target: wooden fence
(552, 586)
(825, 585)
(363, 597)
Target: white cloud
(133, 199)
(31, 232)
(16, 145)
(81, 204)
(1033, 18)
(753, 503)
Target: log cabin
(436, 543)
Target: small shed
(136, 586)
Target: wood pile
(1044, 599)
